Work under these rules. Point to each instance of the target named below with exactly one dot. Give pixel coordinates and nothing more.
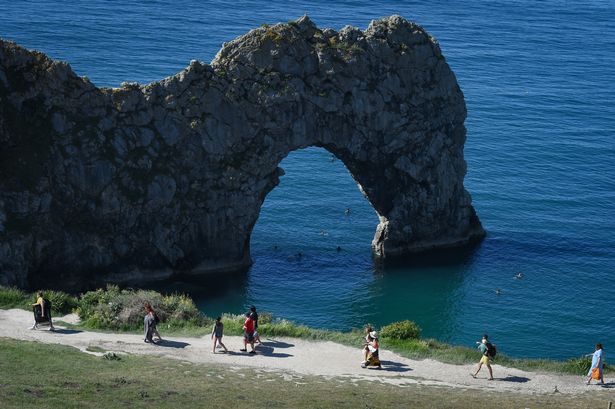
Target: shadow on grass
(391, 366)
(276, 344)
(516, 379)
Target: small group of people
(250, 328)
(250, 332)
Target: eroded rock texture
(143, 182)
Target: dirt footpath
(297, 357)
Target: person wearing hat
(368, 329)
(372, 350)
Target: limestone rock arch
(142, 182)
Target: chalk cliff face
(143, 182)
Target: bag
(596, 374)
(491, 350)
(156, 319)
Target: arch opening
(317, 207)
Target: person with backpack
(488, 350)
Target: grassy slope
(34, 375)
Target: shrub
(401, 330)
(61, 302)
(13, 298)
(265, 318)
(124, 309)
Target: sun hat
(373, 334)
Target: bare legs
(245, 345)
(480, 365)
(219, 341)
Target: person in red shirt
(248, 335)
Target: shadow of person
(608, 385)
(172, 344)
(277, 344)
(268, 351)
(517, 379)
(391, 366)
(65, 331)
(229, 352)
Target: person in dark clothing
(254, 314)
(149, 324)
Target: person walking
(597, 366)
(248, 334)
(487, 349)
(42, 303)
(257, 337)
(216, 334)
(149, 324)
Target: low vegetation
(115, 309)
(401, 330)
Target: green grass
(14, 298)
(35, 375)
(113, 310)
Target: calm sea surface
(539, 82)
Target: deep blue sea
(539, 83)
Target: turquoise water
(538, 81)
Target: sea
(539, 83)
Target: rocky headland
(146, 181)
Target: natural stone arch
(143, 182)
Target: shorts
(485, 360)
(249, 336)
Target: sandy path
(296, 357)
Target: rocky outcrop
(142, 182)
